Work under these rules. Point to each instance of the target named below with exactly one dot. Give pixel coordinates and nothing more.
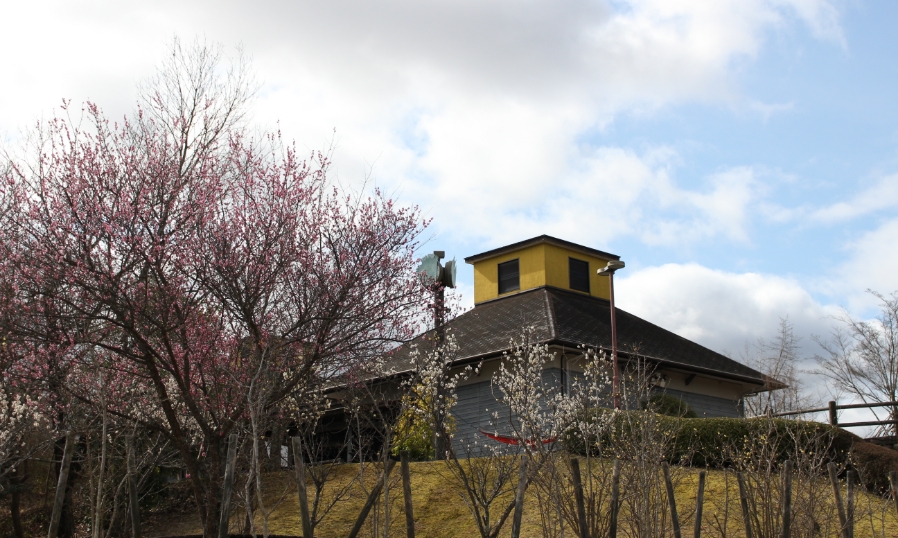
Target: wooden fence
(833, 409)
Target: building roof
(561, 317)
(535, 241)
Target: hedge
(665, 404)
(715, 442)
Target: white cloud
(729, 312)
(472, 109)
(615, 192)
(721, 310)
(821, 17)
(766, 110)
(882, 195)
(870, 264)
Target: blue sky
(740, 155)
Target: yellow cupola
(537, 262)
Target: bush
(714, 442)
(671, 406)
(874, 463)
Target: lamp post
(608, 271)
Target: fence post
(372, 497)
(228, 487)
(852, 478)
(578, 497)
(519, 499)
(833, 417)
(674, 516)
(743, 500)
(299, 466)
(407, 494)
(615, 498)
(787, 499)
(840, 508)
(699, 504)
(61, 484)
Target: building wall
(558, 270)
(709, 406)
(478, 401)
(531, 265)
(540, 265)
(714, 396)
(476, 407)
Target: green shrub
(671, 406)
(874, 463)
(722, 442)
(715, 442)
(718, 442)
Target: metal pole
(615, 384)
(439, 438)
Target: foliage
(665, 404)
(702, 441)
(413, 432)
(161, 265)
(874, 462)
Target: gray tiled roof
(566, 318)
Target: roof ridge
(550, 313)
(537, 240)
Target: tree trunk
(65, 522)
(62, 499)
(18, 479)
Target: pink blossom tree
(176, 252)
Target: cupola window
(579, 274)
(509, 276)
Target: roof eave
(538, 240)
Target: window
(579, 273)
(509, 276)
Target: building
(551, 285)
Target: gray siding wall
(709, 406)
(704, 406)
(478, 402)
(475, 408)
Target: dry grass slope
(440, 511)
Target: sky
(740, 155)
